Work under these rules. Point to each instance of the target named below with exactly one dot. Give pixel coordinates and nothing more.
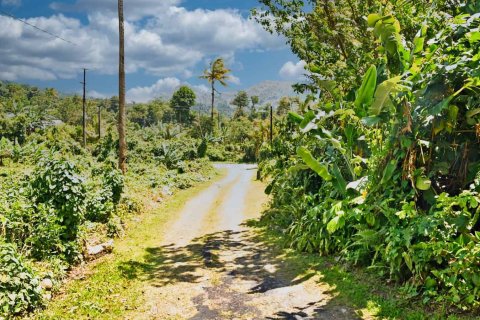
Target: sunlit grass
(105, 291)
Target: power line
(35, 27)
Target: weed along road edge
(196, 258)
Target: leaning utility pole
(84, 108)
(122, 150)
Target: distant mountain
(269, 92)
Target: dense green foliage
(382, 167)
(182, 100)
(19, 288)
(57, 198)
(242, 101)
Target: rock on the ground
(101, 248)
(46, 284)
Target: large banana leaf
(313, 163)
(295, 117)
(339, 183)
(382, 95)
(367, 90)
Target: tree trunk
(122, 150)
(213, 100)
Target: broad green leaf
(328, 85)
(339, 182)
(367, 90)
(388, 171)
(295, 117)
(473, 36)
(418, 44)
(408, 260)
(430, 283)
(307, 118)
(314, 68)
(336, 223)
(313, 163)
(296, 168)
(461, 19)
(439, 107)
(476, 279)
(423, 183)
(373, 18)
(371, 121)
(382, 95)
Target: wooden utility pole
(99, 121)
(122, 150)
(271, 125)
(84, 108)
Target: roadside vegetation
(60, 203)
(380, 168)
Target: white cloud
(162, 39)
(233, 79)
(292, 71)
(201, 88)
(133, 10)
(97, 95)
(163, 87)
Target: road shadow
(170, 264)
(258, 259)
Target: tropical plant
(385, 174)
(216, 73)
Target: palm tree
(122, 150)
(216, 72)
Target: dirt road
(210, 265)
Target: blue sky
(168, 43)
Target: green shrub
(56, 183)
(202, 149)
(19, 288)
(115, 227)
(129, 206)
(113, 180)
(99, 206)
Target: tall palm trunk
(122, 151)
(213, 99)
